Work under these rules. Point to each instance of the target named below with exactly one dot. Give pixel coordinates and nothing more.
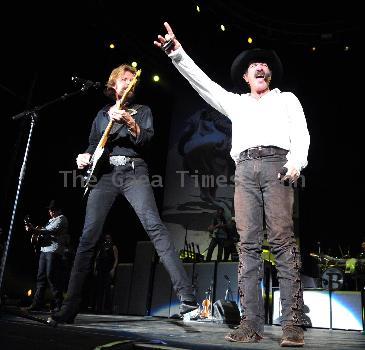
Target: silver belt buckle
(249, 153)
(118, 160)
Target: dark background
(44, 45)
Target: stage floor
(133, 332)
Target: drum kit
(337, 272)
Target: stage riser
(140, 295)
(122, 287)
(140, 291)
(161, 293)
(341, 310)
(174, 301)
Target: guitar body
(93, 172)
(37, 239)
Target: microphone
(85, 82)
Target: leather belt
(262, 151)
(121, 160)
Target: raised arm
(211, 92)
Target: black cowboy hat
(53, 204)
(243, 60)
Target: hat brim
(242, 61)
(53, 205)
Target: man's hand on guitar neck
(83, 160)
(122, 116)
(30, 228)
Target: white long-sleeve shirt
(276, 119)
(58, 228)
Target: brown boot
(243, 334)
(292, 336)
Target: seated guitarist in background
(50, 238)
(124, 174)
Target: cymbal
(328, 258)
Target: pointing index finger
(168, 28)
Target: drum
(332, 278)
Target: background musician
(51, 239)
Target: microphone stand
(229, 294)
(33, 115)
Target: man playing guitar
(51, 239)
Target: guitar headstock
(27, 219)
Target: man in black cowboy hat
(51, 240)
(270, 142)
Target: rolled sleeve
(56, 226)
(145, 122)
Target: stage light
(347, 48)
(156, 78)
(111, 46)
(197, 8)
(29, 292)
(134, 64)
(314, 48)
(223, 28)
(249, 40)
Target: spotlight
(111, 46)
(156, 78)
(134, 64)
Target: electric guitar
(38, 238)
(98, 155)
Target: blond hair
(118, 72)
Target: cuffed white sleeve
(211, 92)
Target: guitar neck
(105, 136)
(106, 133)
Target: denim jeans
(213, 243)
(133, 183)
(49, 272)
(259, 195)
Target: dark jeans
(230, 250)
(257, 192)
(49, 272)
(135, 186)
(213, 243)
